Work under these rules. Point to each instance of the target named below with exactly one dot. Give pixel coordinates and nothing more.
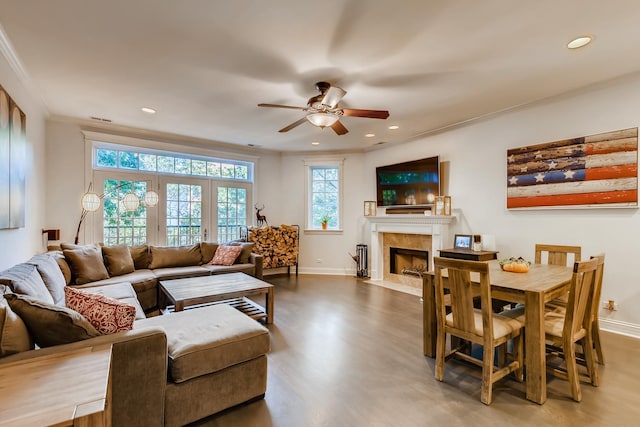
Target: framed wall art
(592, 171)
(370, 208)
(13, 126)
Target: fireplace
(409, 262)
(414, 232)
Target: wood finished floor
(347, 353)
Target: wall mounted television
(413, 183)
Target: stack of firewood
(277, 245)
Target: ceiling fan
(323, 110)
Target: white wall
(477, 184)
(17, 245)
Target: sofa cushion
(247, 248)
(58, 256)
(25, 279)
(51, 276)
(235, 268)
(141, 256)
(179, 256)
(50, 324)
(226, 255)
(123, 292)
(180, 272)
(208, 339)
(86, 264)
(118, 260)
(106, 314)
(208, 251)
(14, 336)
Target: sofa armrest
(138, 373)
(256, 260)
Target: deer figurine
(261, 219)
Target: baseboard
(328, 271)
(619, 327)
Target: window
(232, 212)
(324, 195)
(121, 227)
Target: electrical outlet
(319, 261)
(610, 305)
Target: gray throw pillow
(25, 279)
(49, 324)
(51, 276)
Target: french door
(185, 206)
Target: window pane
(199, 167)
(232, 212)
(324, 198)
(183, 166)
(213, 169)
(227, 170)
(148, 162)
(242, 172)
(119, 225)
(128, 160)
(184, 214)
(165, 164)
(107, 158)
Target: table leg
(179, 305)
(535, 347)
(269, 305)
(429, 324)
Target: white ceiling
(205, 65)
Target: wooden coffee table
(232, 288)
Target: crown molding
(9, 53)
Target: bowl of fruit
(515, 265)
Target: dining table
(534, 289)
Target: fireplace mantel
(435, 226)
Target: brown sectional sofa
(168, 370)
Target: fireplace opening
(410, 262)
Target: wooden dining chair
(480, 326)
(573, 325)
(556, 254)
(559, 306)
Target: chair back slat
(597, 292)
(557, 254)
(462, 292)
(578, 313)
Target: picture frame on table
(438, 205)
(370, 208)
(463, 241)
(447, 205)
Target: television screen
(413, 183)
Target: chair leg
(596, 341)
(587, 344)
(518, 355)
(441, 344)
(569, 349)
(487, 374)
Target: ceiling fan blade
(282, 106)
(373, 114)
(339, 128)
(292, 125)
(333, 96)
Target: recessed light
(393, 127)
(148, 110)
(579, 42)
(370, 135)
(315, 143)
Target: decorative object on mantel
(13, 131)
(447, 205)
(592, 171)
(370, 208)
(130, 202)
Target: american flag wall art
(596, 170)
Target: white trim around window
(310, 165)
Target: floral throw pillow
(225, 255)
(106, 314)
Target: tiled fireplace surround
(429, 233)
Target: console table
(62, 389)
(468, 254)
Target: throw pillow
(106, 314)
(141, 256)
(118, 260)
(208, 250)
(51, 276)
(63, 264)
(226, 255)
(247, 248)
(86, 264)
(49, 324)
(14, 336)
(25, 279)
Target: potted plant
(324, 221)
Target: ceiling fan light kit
(323, 110)
(322, 119)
